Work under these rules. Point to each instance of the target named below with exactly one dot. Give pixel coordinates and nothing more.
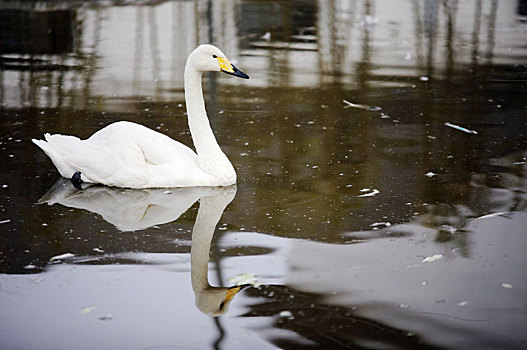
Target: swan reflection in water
(133, 209)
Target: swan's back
(123, 154)
(157, 148)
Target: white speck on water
(423, 78)
(462, 303)
(460, 128)
(62, 257)
(30, 267)
(376, 224)
(98, 250)
(501, 213)
(374, 192)
(87, 309)
(433, 258)
(430, 174)
(506, 285)
(5, 186)
(5, 221)
(404, 306)
(245, 278)
(286, 313)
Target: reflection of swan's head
(208, 58)
(214, 301)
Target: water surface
(380, 148)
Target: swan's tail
(52, 147)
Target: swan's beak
(227, 67)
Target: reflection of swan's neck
(210, 300)
(208, 216)
(207, 148)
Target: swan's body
(126, 154)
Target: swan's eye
(214, 56)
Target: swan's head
(208, 58)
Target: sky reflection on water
(337, 208)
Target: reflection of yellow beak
(231, 292)
(225, 66)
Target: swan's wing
(157, 148)
(113, 162)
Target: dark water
(394, 220)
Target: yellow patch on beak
(225, 66)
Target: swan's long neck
(209, 152)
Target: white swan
(126, 154)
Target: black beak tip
(237, 73)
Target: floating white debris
(501, 213)
(385, 224)
(5, 186)
(355, 105)
(285, 313)
(374, 192)
(98, 250)
(404, 306)
(430, 174)
(87, 309)
(433, 258)
(462, 303)
(245, 278)
(506, 285)
(5, 221)
(30, 267)
(62, 257)
(423, 78)
(460, 128)
(266, 36)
